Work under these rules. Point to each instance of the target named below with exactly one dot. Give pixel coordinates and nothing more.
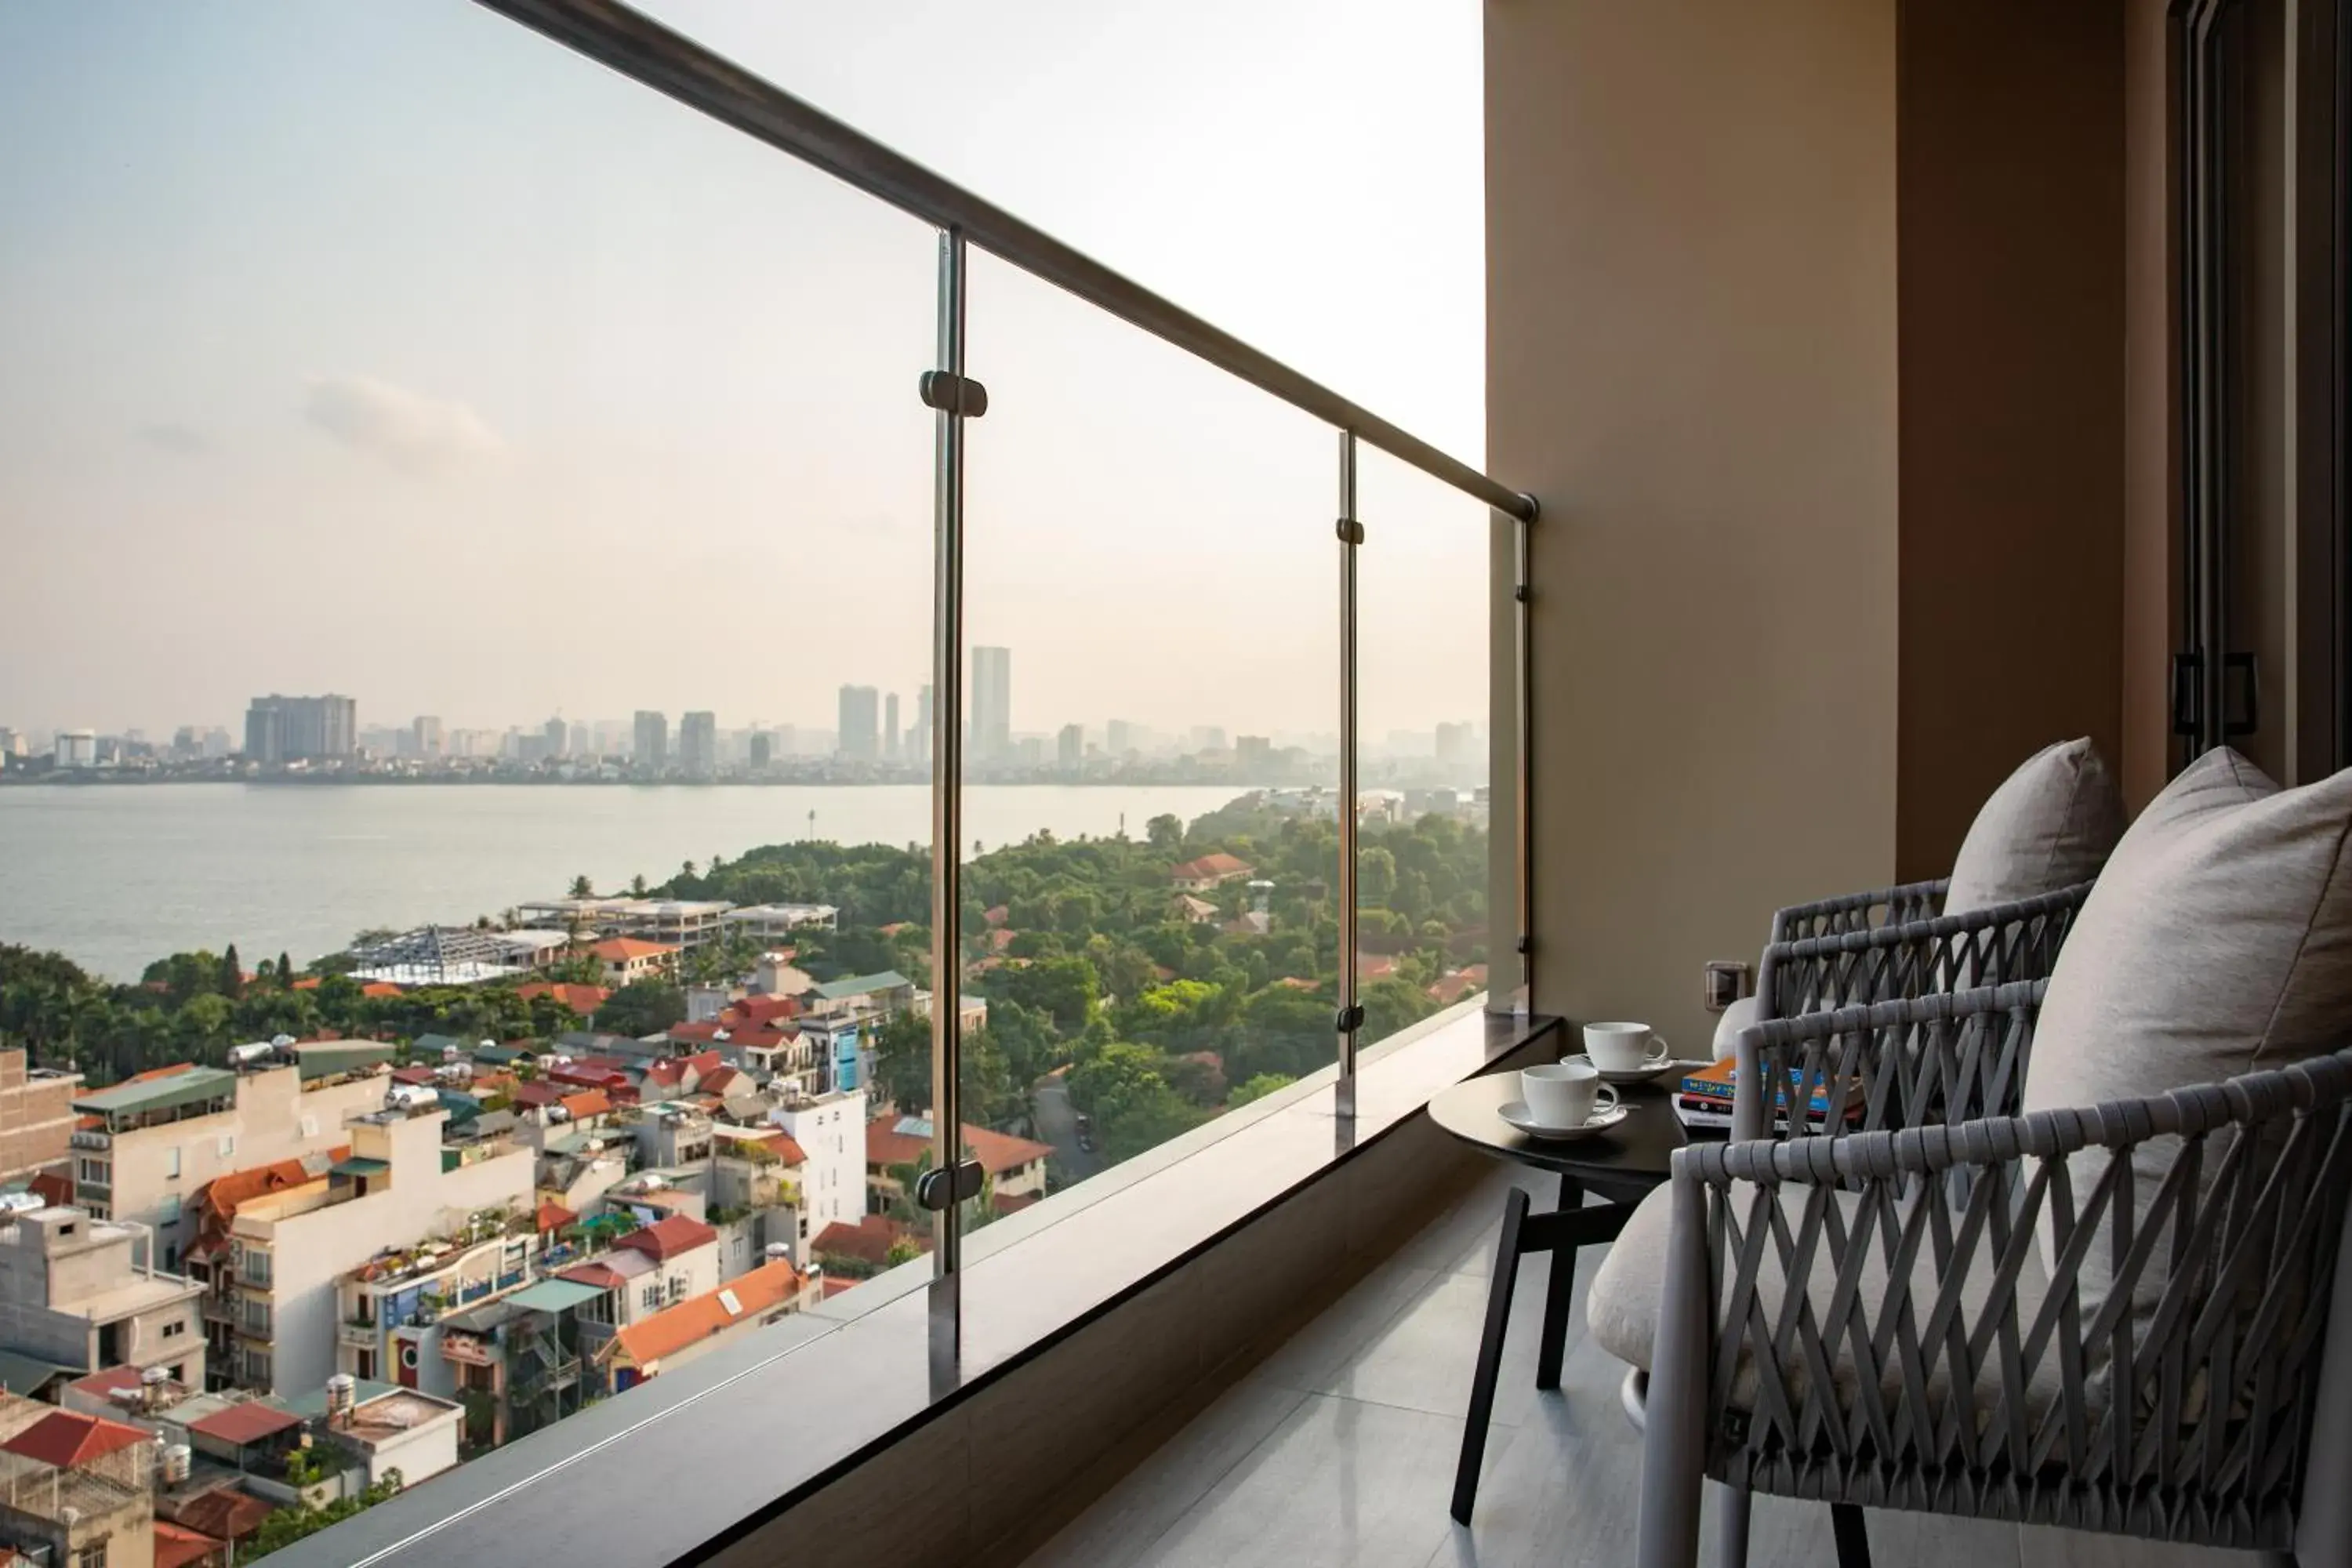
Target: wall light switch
(1727, 980)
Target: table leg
(1559, 1298)
(1490, 1355)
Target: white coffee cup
(1623, 1048)
(1564, 1094)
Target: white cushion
(2050, 825)
(1628, 1290)
(1736, 1017)
(2217, 940)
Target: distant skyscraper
(1119, 738)
(1070, 747)
(991, 704)
(1453, 743)
(763, 751)
(920, 744)
(1031, 753)
(559, 737)
(427, 730)
(1253, 756)
(301, 728)
(76, 748)
(859, 740)
(890, 727)
(1208, 738)
(651, 755)
(582, 742)
(697, 744)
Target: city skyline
(409, 409)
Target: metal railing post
(1350, 1020)
(1524, 710)
(947, 807)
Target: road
(1057, 1123)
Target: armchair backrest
(1914, 1061)
(1892, 962)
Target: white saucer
(1642, 1074)
(1516, 1113)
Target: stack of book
(1705, 1099)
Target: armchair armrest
(2001, 942)
(1859, 911)
(1949, 1055)
(1904, 1317)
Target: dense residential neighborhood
(368, 1218)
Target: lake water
(115, 876)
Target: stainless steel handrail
(642, 49)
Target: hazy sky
(391, 350)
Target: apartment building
(387, 1309)
(76, 1491)
(398, 1187)
(830, 1130)
(651, 1267)
(85, 1293)
(701, 1324)
(36, 1116)
(1016, 1167)
(146, 1147)
(624, 960)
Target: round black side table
(1621, 1167)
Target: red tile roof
(697, 1317)
(379, 988)
(619, 949)
(54, 1187)
(611, 1272)
(412, 1075)
(765, 1009)
(720, 1079)
(587, 1103)
(997, 1151)
(552, 1217)
(776, 1141)
(247, 1423)
(102, 1383)
(64, 1440)
(536, 1094)
(1452, 988)
(1219, 864)
(678, 1072)
(997, 915)
(176, 1545)
(867, 1240)
(225, 1512)
(665, 1238)
(581, 999)
(222, 1195)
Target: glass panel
(1424, 927)
(1152, 606)
(571, 442)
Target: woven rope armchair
(1852, 912)
(1898, 1317)
(1897, 943)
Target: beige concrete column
(1692, 361)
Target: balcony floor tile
(1340, 1445)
